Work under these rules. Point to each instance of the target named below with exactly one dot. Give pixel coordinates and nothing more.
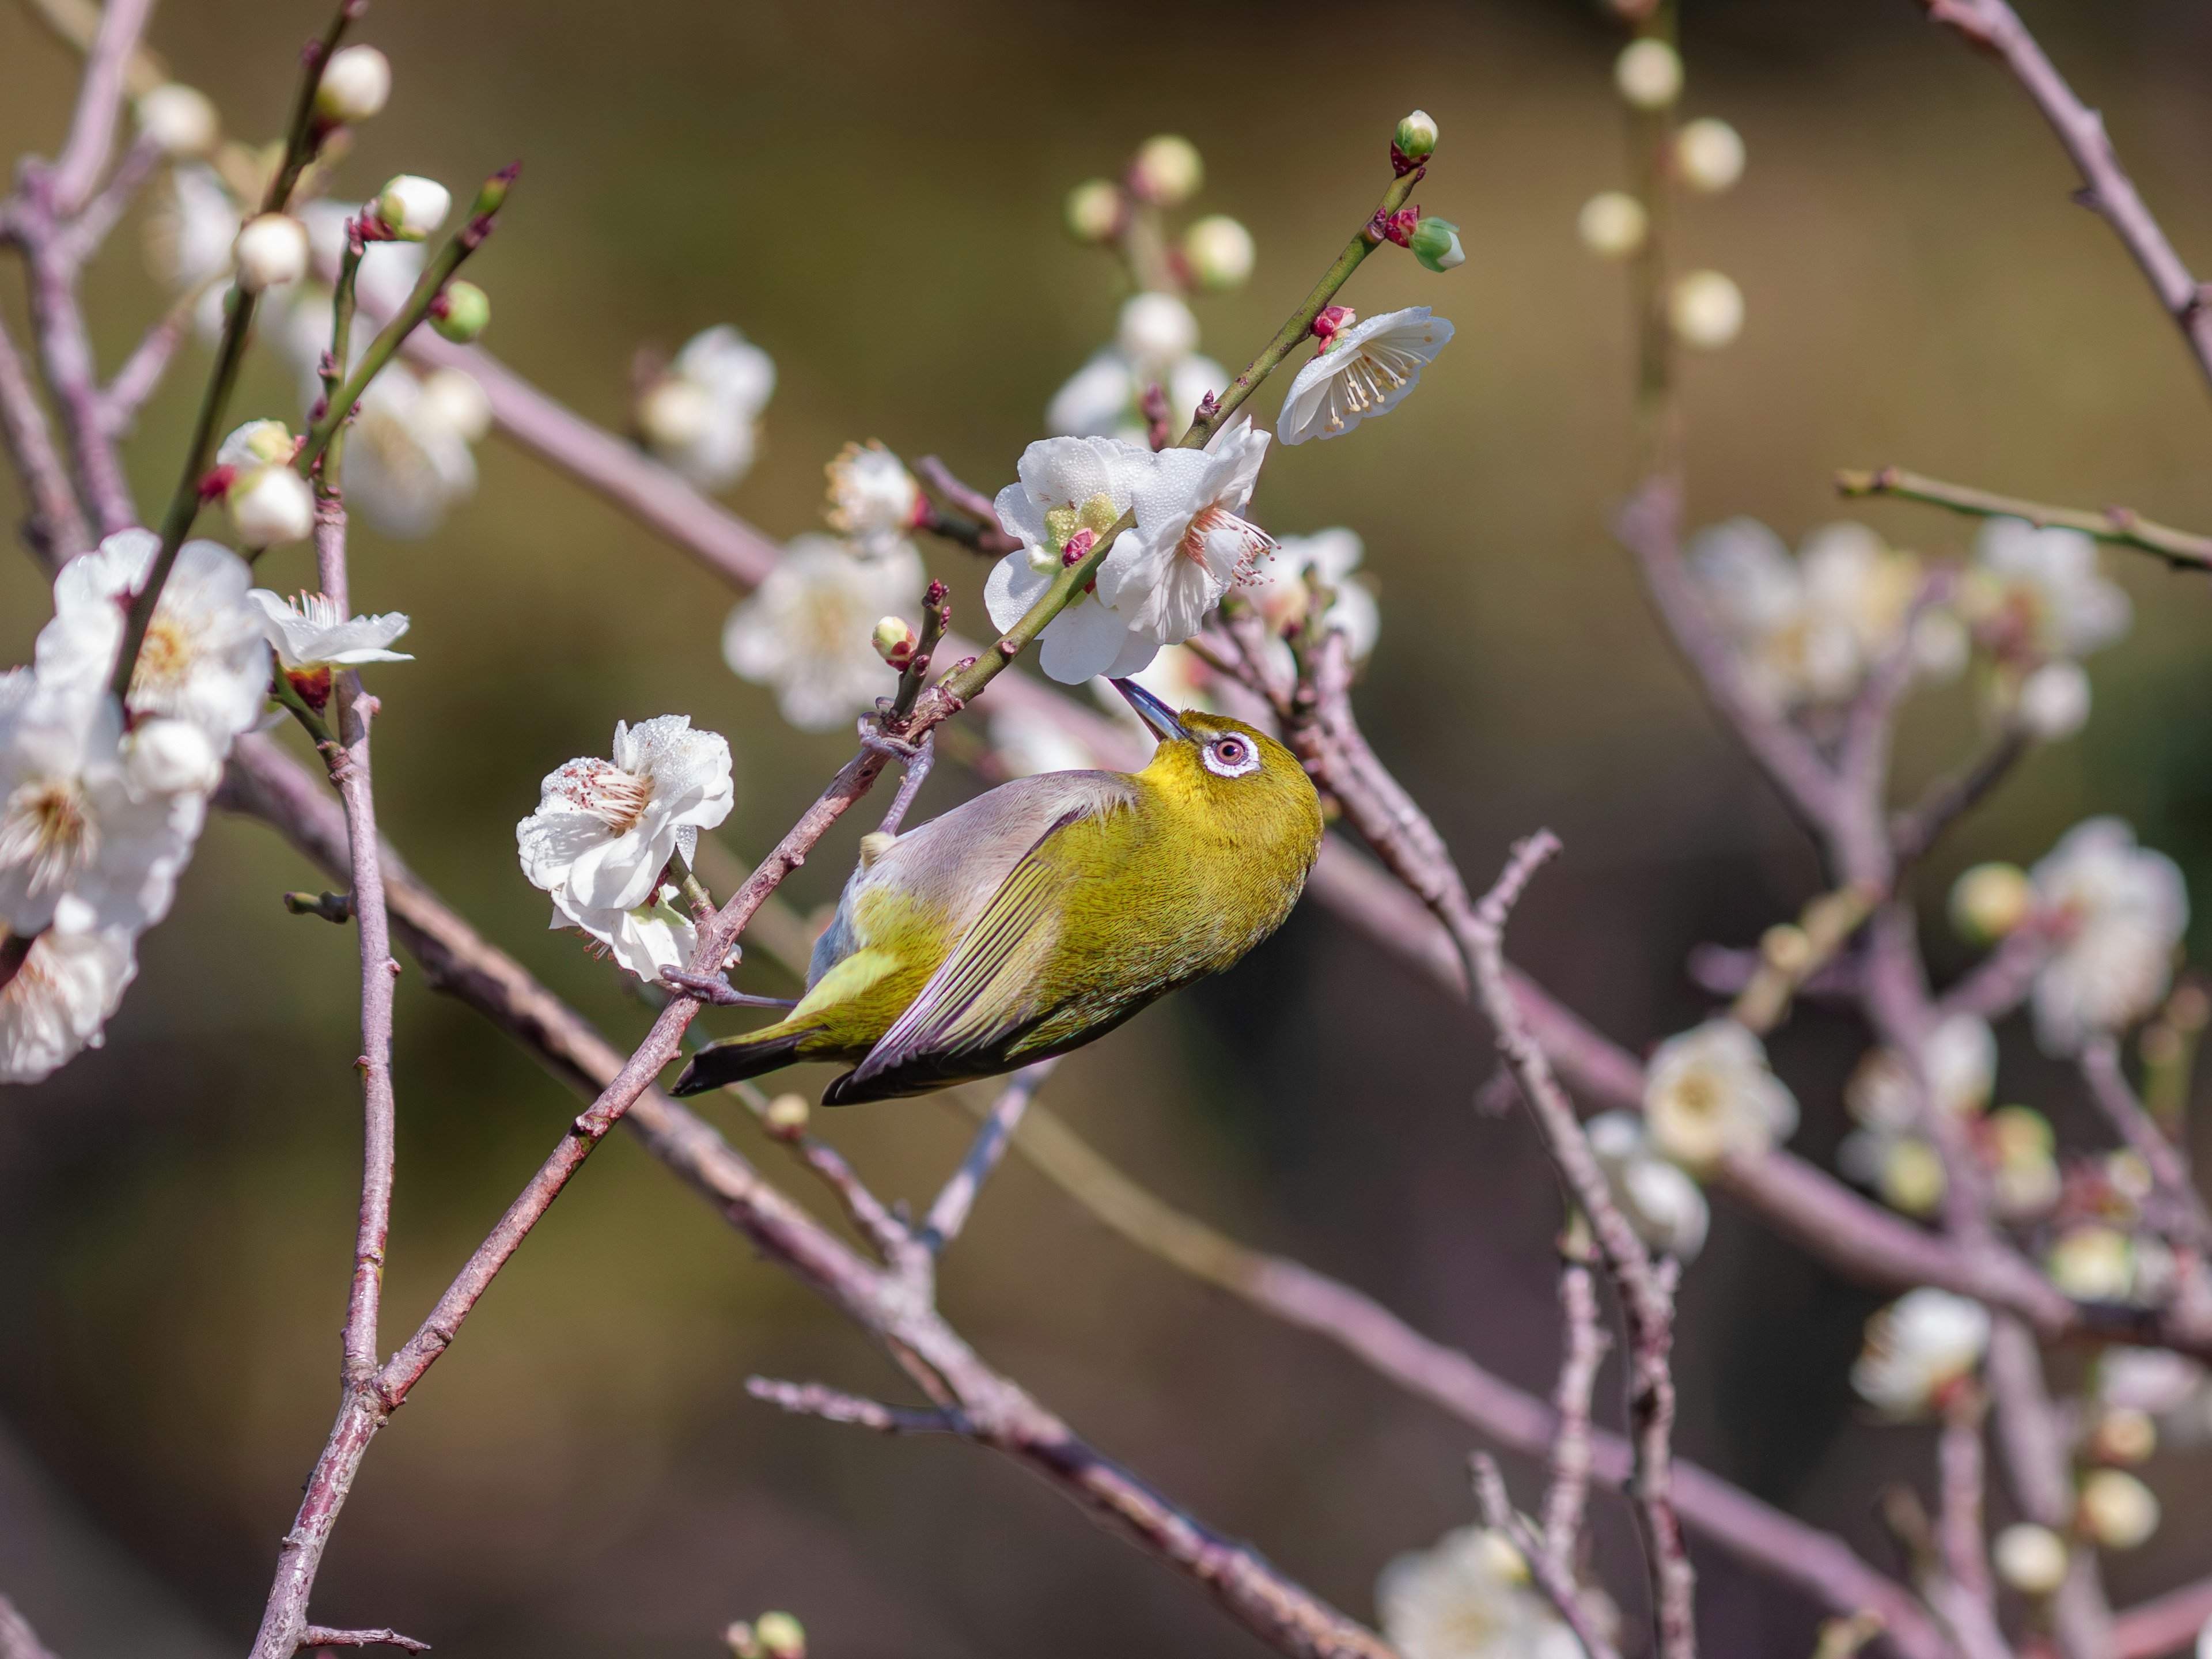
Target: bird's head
(1225, 771)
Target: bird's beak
(1154, 712)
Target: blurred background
(872, 192)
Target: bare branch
(949, 1214)
(2165, 1624)
(141, 374)
(2039, 1464)
(1914, 830)
(83, 235)
(1585, 1345)
(17, 1639)
(1958, 1531)
(835, 1406)
(99, 99)
(2179, 1211)
(322, 1635)
(57, 527)
(2122, 526)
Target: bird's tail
(735, 1059)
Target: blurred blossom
(269, 503)
(189, 237)
(271, 250)
(386, 277)
(2040, 592)
(355, 84)
(408, 459)
(1613, 224)
(603, 830)
(2115, 913)
(1155, 331)
(806, 631)
(1094, 210)
(1468, 1597)
(1649, 74)
(1178, 676)
(1708, 1094)
(1103, 398)
(1917, 1348)
(1280, 592)
(66, 989)
(2092, 1263)
(2029, 1558)
(2154, 1381)
(2054, 700)
(642, 940)
(1903, 1170)
(1709, 155)
(310, 632)
(2122, 1435)
(1029, 741)
(1069, 493)
(1807, 630)
(180, 118)
(874, 499)
(2117, 1509)
(1364, 369)
(1990, 901)
(2025, 1181)
(701, 417)
(1167, 170)
(1663, 1205)
(1219, 251)
(1706, 309)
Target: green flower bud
(779, 1636)
(895, 641)
(1167, 170)
(1416, 138)
(1219, 251)
(462, 312)
(412, 207)
(1094, 210)
(1436, 244)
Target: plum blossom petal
(1708, 1093)
(1468, 1597)
(1279, 589)
(2117, 910)
(806, 630)
(63, 996)
(1919, 1346)
(701, 417)
(309, 632)
(1191, 546)
(1363, 370)
(874, 499)
(603, 830)
(643, 940)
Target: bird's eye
(1230, 758)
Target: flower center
(1217, 538)
(617, 798)
(1367, 380)
(45, 829)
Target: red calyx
(1332, 319)
(218, 481)
(1079, 548)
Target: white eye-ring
(1230, 756)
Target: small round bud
(412, 207)
(355, 84)
(180, 118)
(271, 251)
(1435, 243)
(271, 504)
(1990, 901)
(256, 444)
(2054, 700)
(1649, 74)
(2031, 1559)
(675, 413)
(786, 1114)
(1094, 210)
(1706, 310)
(1786, 948)
(1219, 251)
(2092, 1263)
(2117, 1509)
(895, 641)
(739, 1639)
(1613, 224)
(1167, 170)
(2123, 1435)
(779, 1636)
(1416, 138)
(1912, 1179)
(1709, 155)
(461, 312)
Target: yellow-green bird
(1044, 912)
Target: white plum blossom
(1029, 741)
(63, 995)
(1917, 1347)
(1663, 1205)
(408, 460)
(1068, 489)
(271, 250)
(807, 630)
(1154, 332)
(2041, 592)
(204, 659)
(1278, 590)
(310, 632)
(189, 236)
(701, 417)
(643, 940)
(1361, 370)
(873, 500)
(603, 830)
(180, 119)
(2117, 1509)
(2054, 700)
(1105, 397)
(2114, 911)
(1708, 1093)
(1468, 1597)
(268, 501)
(1807, 630)
(1191, 546)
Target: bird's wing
(978, 996)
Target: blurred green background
(872, 191)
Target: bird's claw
(874, 737)
(717, 990)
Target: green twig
(304, 138)
(2123, 526)
(381, 350)
(328, 478)
(936, 620)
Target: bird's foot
(717, 990)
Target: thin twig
(1913, 831)
(2181, 1211)
(17, 1639)
(1553, 1575)
(2121, 525)
(2038, 1465)
(1959, 1459)
(323, 1636)
(99, 101)
(57, 522)
(140, 376)
(1585, 1346)
(956, 1201)
(836, 1405)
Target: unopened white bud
(1167, 170)
(1094, 210)
(271, 504)
(180, 118)
(355, 84)
(2054, 700)
(1649, 74)
(2117, 1509)
(1709, 155)
(1990, 901)
(675, 414)
(2030, 1558)
(412, 207)
(256, 444)
(1218, 251)
(1416, 138)
(1613, 224)
(172, 757)
(1706, 310)
(271, 250)
(786, 1114)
